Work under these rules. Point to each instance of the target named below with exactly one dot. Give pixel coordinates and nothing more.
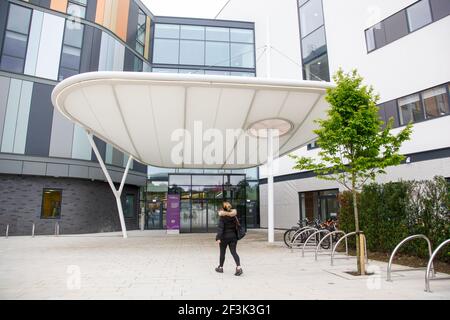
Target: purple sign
(173, 212)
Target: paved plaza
(153, 265)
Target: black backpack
(240, 230)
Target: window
(440, 9)
(140, 37)
(241, 35)
(370, 39)
(395, 27)
(51, 204)
(242, 55)
(410, 109)
(435, 102)
(314, 44)
(419, 15)
(317, 69)
(313, 41)
(77, 8)
(312, 145)
(212, 47)
(311, 17)
(166, 51)
(129, 207)
(192, 32)
(217, 34)
(192, 52)
(16, 39)
(71, 50)
(217, 54)
(171, 31)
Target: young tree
(354, 145)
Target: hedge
(392, 211)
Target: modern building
(399, 47)
(48, 172)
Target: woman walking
(227, 236)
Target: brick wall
(87, 206)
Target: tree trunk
(355, 209)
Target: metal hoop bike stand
(346, 246)
(331, 241)
(430, 266)
(313, 235)
(391, 258)
(307, 229)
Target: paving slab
(153, 265)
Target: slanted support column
(117, 193)
(270, 204)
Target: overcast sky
(185, 8)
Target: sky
(185, 8)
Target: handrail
(314, 234)
(345, 237)
(430, 263)
(331, 240)
(302, 232)
(391, 258)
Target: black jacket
(226, 229)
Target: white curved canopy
(138, 113)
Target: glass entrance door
(199, 216)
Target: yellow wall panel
(147, 38)
(114, 13)
(59, 5)
(122, 19)
(108, 13)
(100, 12)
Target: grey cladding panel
(88, 38)
(91, 10)
(40, 121)
(132, 24)
(11, 166)
(396, 26)
(57, 170)
(101, 146)
(34, 168)
(440, 8)
(78, 171)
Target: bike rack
(32, 230)
(430, 265)
(7, 231)
(302, 232)
(57, 228)
(331, 241)
(391, 258)
(346, 245)
(318, 232)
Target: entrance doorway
(319, 205)
(201, 197)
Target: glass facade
(416, 16)
(203, 49)
(16, 39)
(51, 204)
(318, 205)
(427, 104)
(49, 47)
(313, 41)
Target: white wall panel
(61, 137)
(50, 47)
(23, 114)
(12, 109)
(81, 148)
(33, 42)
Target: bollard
(7, 230)
(32, 231)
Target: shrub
(390, 212)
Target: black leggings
(223, 247)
